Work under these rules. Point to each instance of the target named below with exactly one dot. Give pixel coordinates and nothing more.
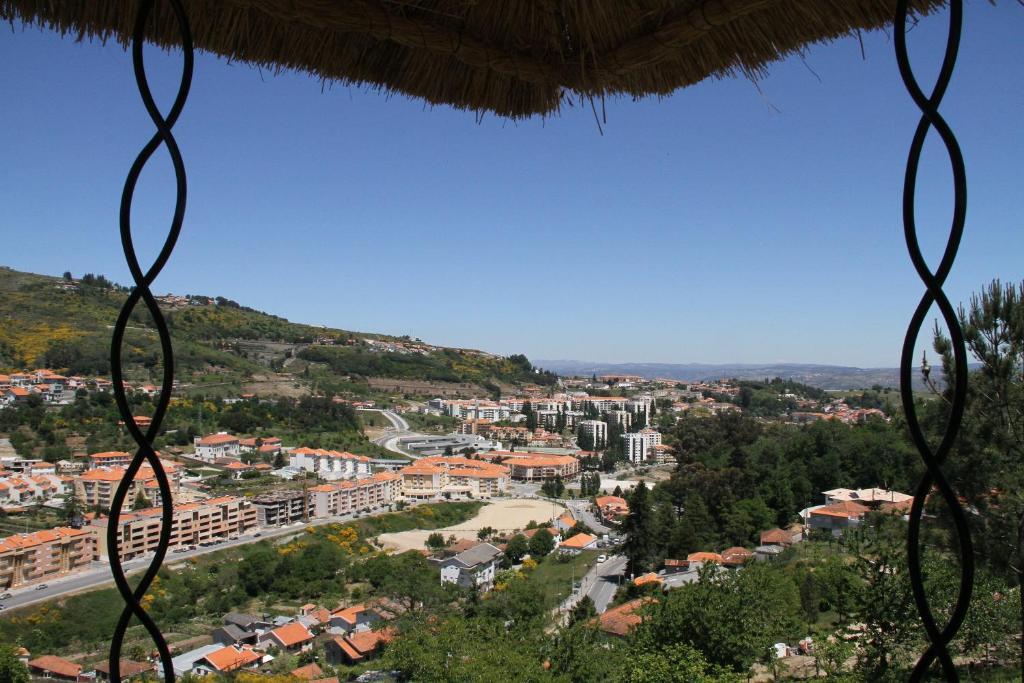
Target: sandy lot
(502, 515)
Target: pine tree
(639, 531)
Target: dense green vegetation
(65, 324)
(444, 365)
(310, 421)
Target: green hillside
(61, 323)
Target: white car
(602, 558)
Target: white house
(220, 445)
(474, 567)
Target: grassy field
(556, 577)
(429, 516)
(436, 424)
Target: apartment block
(344, 497)
(96, 487)
(434, 476)
(329, 465)
(192, 524)
(32, 558)
(281, 508)
(597, 431)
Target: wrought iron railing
(142, 292)
(933, 458)
(939, 638)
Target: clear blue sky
(727, 223)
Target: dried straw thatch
(512, 57)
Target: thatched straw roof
(514, 58)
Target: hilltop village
(583, 446)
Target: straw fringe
(515, 59)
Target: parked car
(41, 586)
(602, 558)
(4, 596)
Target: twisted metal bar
(930, 118)
(145, 452)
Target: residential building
(596, 431)
(227, 659)
(221, 445)
(577, 543)
(640, 447)
(621, 620)
(837, 517)
(96, 487)
(192, 524)
(622, 418)
(281, 507)
(20, 490)
(43, 555)
(536, 466)
(292, 637)
(359, 495)
(329, 465)
(56, 668)
(874, 498)
(611, 508)
(782, 537)
(471, 568)
(699, 559)
(109, 459)
(256, 444)
(454, 475)
(357, 647)
(736, 556)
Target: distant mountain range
(833, 377)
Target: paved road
(605, 582)
(600, 584)
(99, 573)
(399, 429)
(581, 511)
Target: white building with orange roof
(220, 445)
(17, 490)
(435, 476)
(536, 466)
(192, 524)
(109, 459)
(43, 555)
(293, 637)
(329, 465)
(96, 487)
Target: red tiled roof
(292, 634)
(228, 658)
(619, 621)
(57, 665)
(367, 642)
(308, 672)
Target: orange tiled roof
(649, 578)
(292, 634)
(57, 665)
(350, 614)
(846, 509)
(621, 620)
(20, 541)
(705, 557)
(229, 659)
(368, 641)
(217, 439)
(579, 541)
(308, 672)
